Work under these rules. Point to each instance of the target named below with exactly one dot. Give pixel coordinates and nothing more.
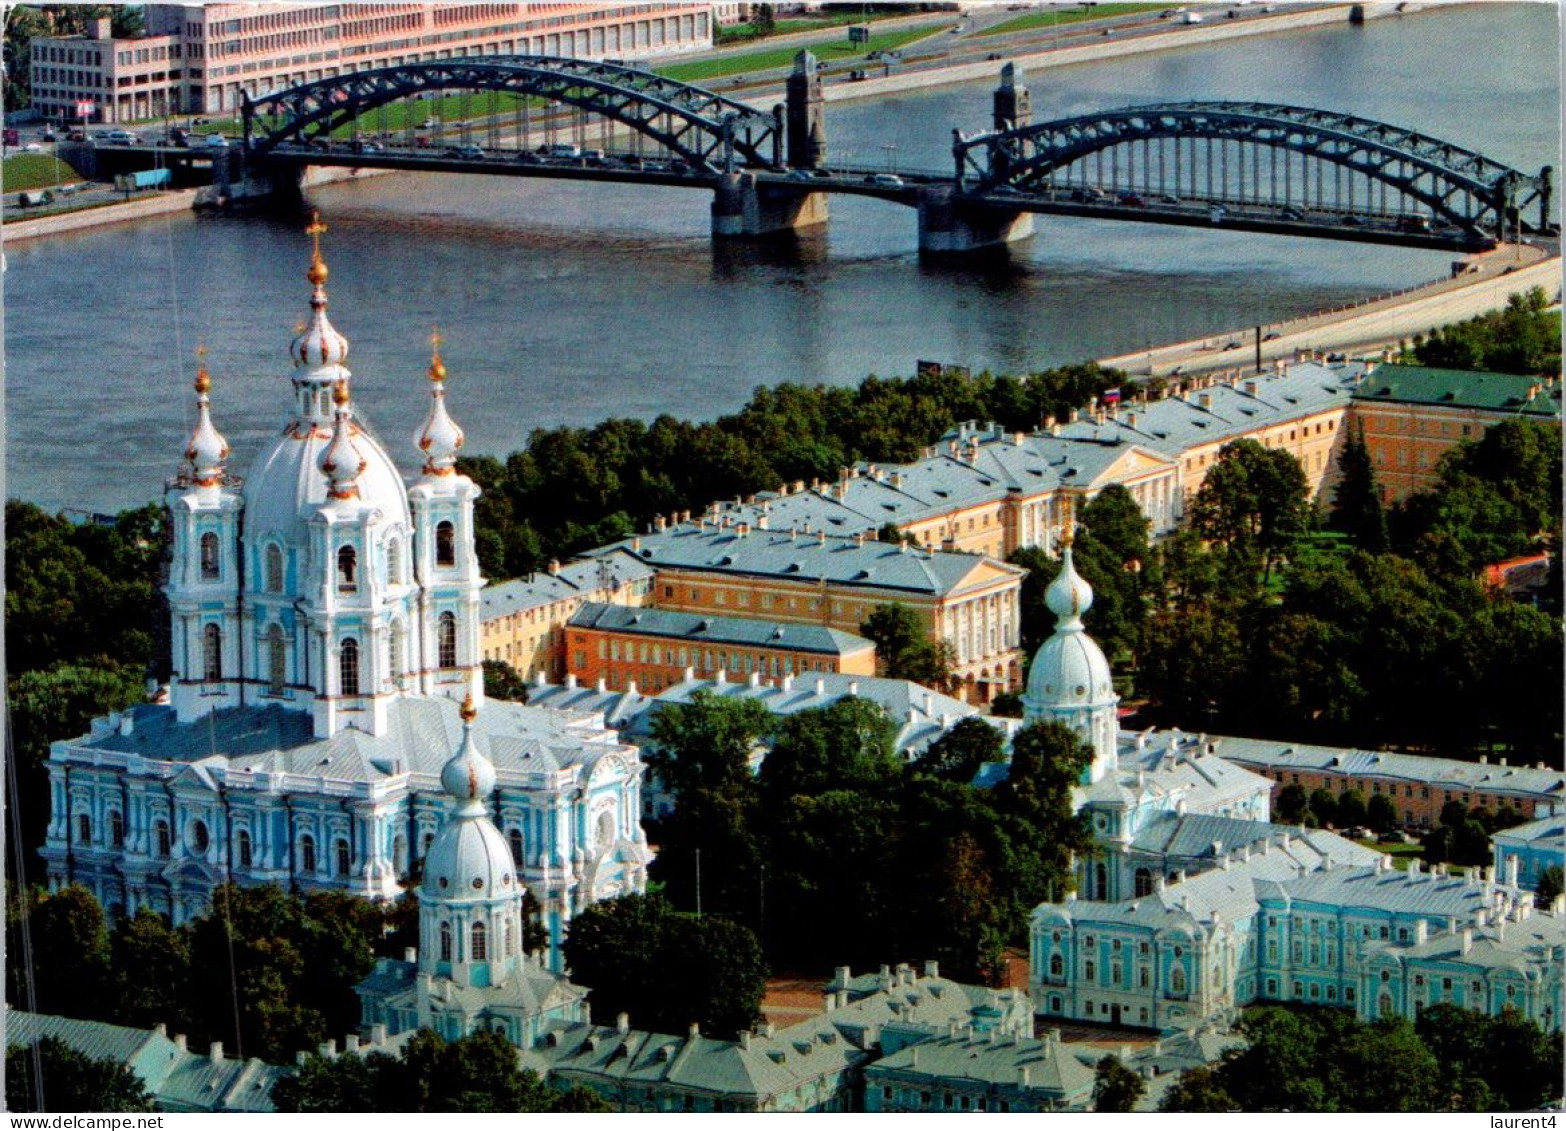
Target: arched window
(1177, 980)
(1057, 967)
(348, 666)
(480, 950)
(347, 569)
(393, 561)
(211, 558)
(424, 845)
(1144, 882)
(344, 858)
(116, 828)
(200, 838)
(307, 853)
(212, 652)
(1100, 881)
(445, 941)
(515, 837)
(160, 833)
(245, 850)
(400, 854)
(445, 544)
(511, 940)
(276, 660)
(274, 568)
(447, 636)
(83, 829)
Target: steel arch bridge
(700, 126)
(1262, 155)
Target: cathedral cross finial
(317, 273)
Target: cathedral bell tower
(205, 574)
(446, 565)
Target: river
(563, 304)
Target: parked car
(885, 180)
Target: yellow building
(738, 570)
(522, 622)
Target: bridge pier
(742, 207)
(949, 226)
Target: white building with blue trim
(325, 625)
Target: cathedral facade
(325, 626)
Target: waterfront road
(1479, 283)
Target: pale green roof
(1461, 388)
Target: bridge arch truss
(1261, 154)
(703, 128)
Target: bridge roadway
(903, 187)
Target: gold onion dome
(440, 439)
(318, 345)
(207, 448)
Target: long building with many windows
(204, 58)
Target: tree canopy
(50, 1075)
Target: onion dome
(440, 439)
(1069, 595)
(318, 344)
(341, 462)
(469, 859)
(207, 448)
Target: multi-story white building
(324, 627)
(203, 58)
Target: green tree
(763, 20)
(69, 973)
(1549, 886)
(1198, 1089)
(502, 681)
(1381, 813)
(957, 755)
(850, 745)
(707, 743)
(1352, 812)
(1523, 337)
(1291, 804)
(1255, 501)
(1357, 509)
(52, 1076)
(151, 972)
(904, 648)
(1324, 807)
(1116, 1087)
(1384, 1066)
(666, 968)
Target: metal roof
(699, 628)
(1461, 388)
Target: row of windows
(347, 560)
(478, 941)
(348, 659)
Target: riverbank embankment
(1479, 283)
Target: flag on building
(1109, 396)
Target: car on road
(1132, 200)
(1006, 190)
(1168, 199)
(46, 134)
(1291, 214)
(428, 124)
(799, 175)
(1272, 337)
(217, 141)
(594, 156)
(118, 137)
(1089, 194)
(885, 180)
(467, 152)
(560, 149)
(1231, 345)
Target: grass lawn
(36, 170)
(1035, 20)
(695, 72)
(744, 33)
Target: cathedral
(324, 623)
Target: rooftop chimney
(622, 1023)
(217, 1051)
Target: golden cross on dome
(203, 378)
(317, 273)
(437, 367)
(435, 341)
(315, 230)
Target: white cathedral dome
(286, 484)
(1069, 669)
(468, 860)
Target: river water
(563, 304)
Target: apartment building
(522, 621)
(204, 58)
